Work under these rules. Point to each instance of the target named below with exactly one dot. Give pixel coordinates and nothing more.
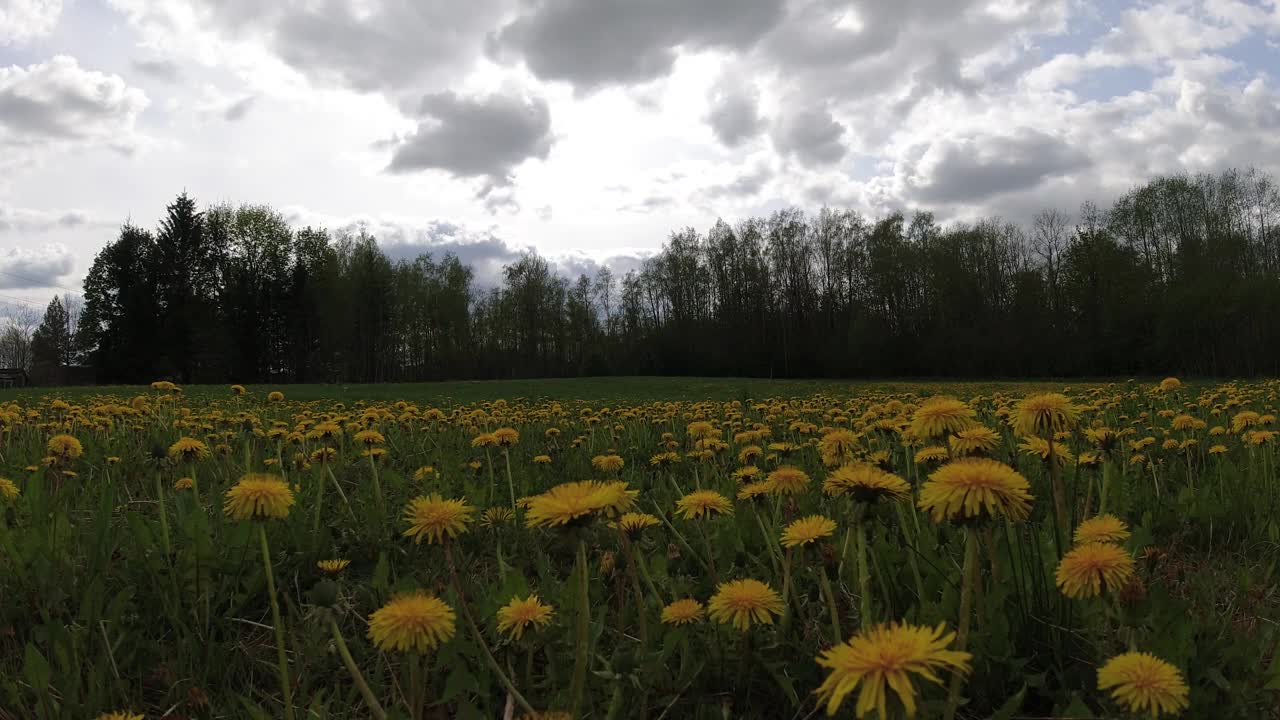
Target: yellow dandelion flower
(332, 567)
(974, 489)
(120, 715)
(940, 416)
(1217, 449)
(703, 504)
(1088, 570)
(519, 614)
(413, 622)
(65, 446)
(887, 657)
(1103, 528)
(369, 438)
(506, 437)
(497, 515)
(484, 440)
(933, 453)
(184, 483)
(434, 518)
(238, 390)
(1144, 684)
(754, 490)
(683, 612)
(632, 522)
(788, 480)
(579, 502)
(807, 530)
(541, 459)
(8, 490)
(607, 463)
(866, 482)
(258, 496)
(665, 458)
(976, 440)
(275, 396)
(837, 447)
(743, 602)
(1039, 447)
(1040, 415)
(188, 449)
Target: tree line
(1181, 274)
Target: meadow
(641, 548)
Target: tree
(51, 345)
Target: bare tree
(1049, 237)
(15, 338)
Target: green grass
(630, 389)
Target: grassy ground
(592, 388)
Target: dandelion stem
(830, 595)
(864, 575)
(579, 683)
(966, 607)
(164, 516)
(282, 660)
(475, 632)
(356, 676)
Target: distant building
(13, 377)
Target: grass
(120, 589)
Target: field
(641, 548)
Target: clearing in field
(640, 548)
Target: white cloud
(22, 21)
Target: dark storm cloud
(591, 43)
(812, 135)
(974, 169)
(481, 137)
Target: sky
(590, 129)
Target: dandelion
(188, 449)
(1041, 415)
(683, 612)
(607, 463)
(931, 454)
(743, 602)
(703, 504)
(1039, 447)
(497, 515)
(238, 390)
(65, 447)
(184, 483)
(578, 502)
(275, 396)
(332, 567)
(866, 483)
(1144, 683)
(976, 440)
(975, 489)
(665, 458)
(836, 447)
(1217, 449)
(1087, 570)
(940, 416)
(887, 657)
(541, 459)
(1103, 528)
(807, 530)
(414, 622)
(120, 715)
(258, 496)
(434, 518)
(505, 437)
(788, 480)
(519, 614)
(632, 522)
(8, 490)
(754, 490)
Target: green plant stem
(282, 660)
(864, 575)
(511, 485)
(377, 488)
(164, 516)
(911, 556)
(836, 635)
(786, 589)
(315, 524)
(479, 637)
(579, 684)
(369, 699)
(966, 607)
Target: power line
(38, 283)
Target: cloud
(593, 43)
(25, 20)
(961, 170)
(238, 109)
(733, 113)
(745, 185)
(158, 68)
(476, 137)
(22, 220)
(811, 134)
(58, 101)
(22, 268)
